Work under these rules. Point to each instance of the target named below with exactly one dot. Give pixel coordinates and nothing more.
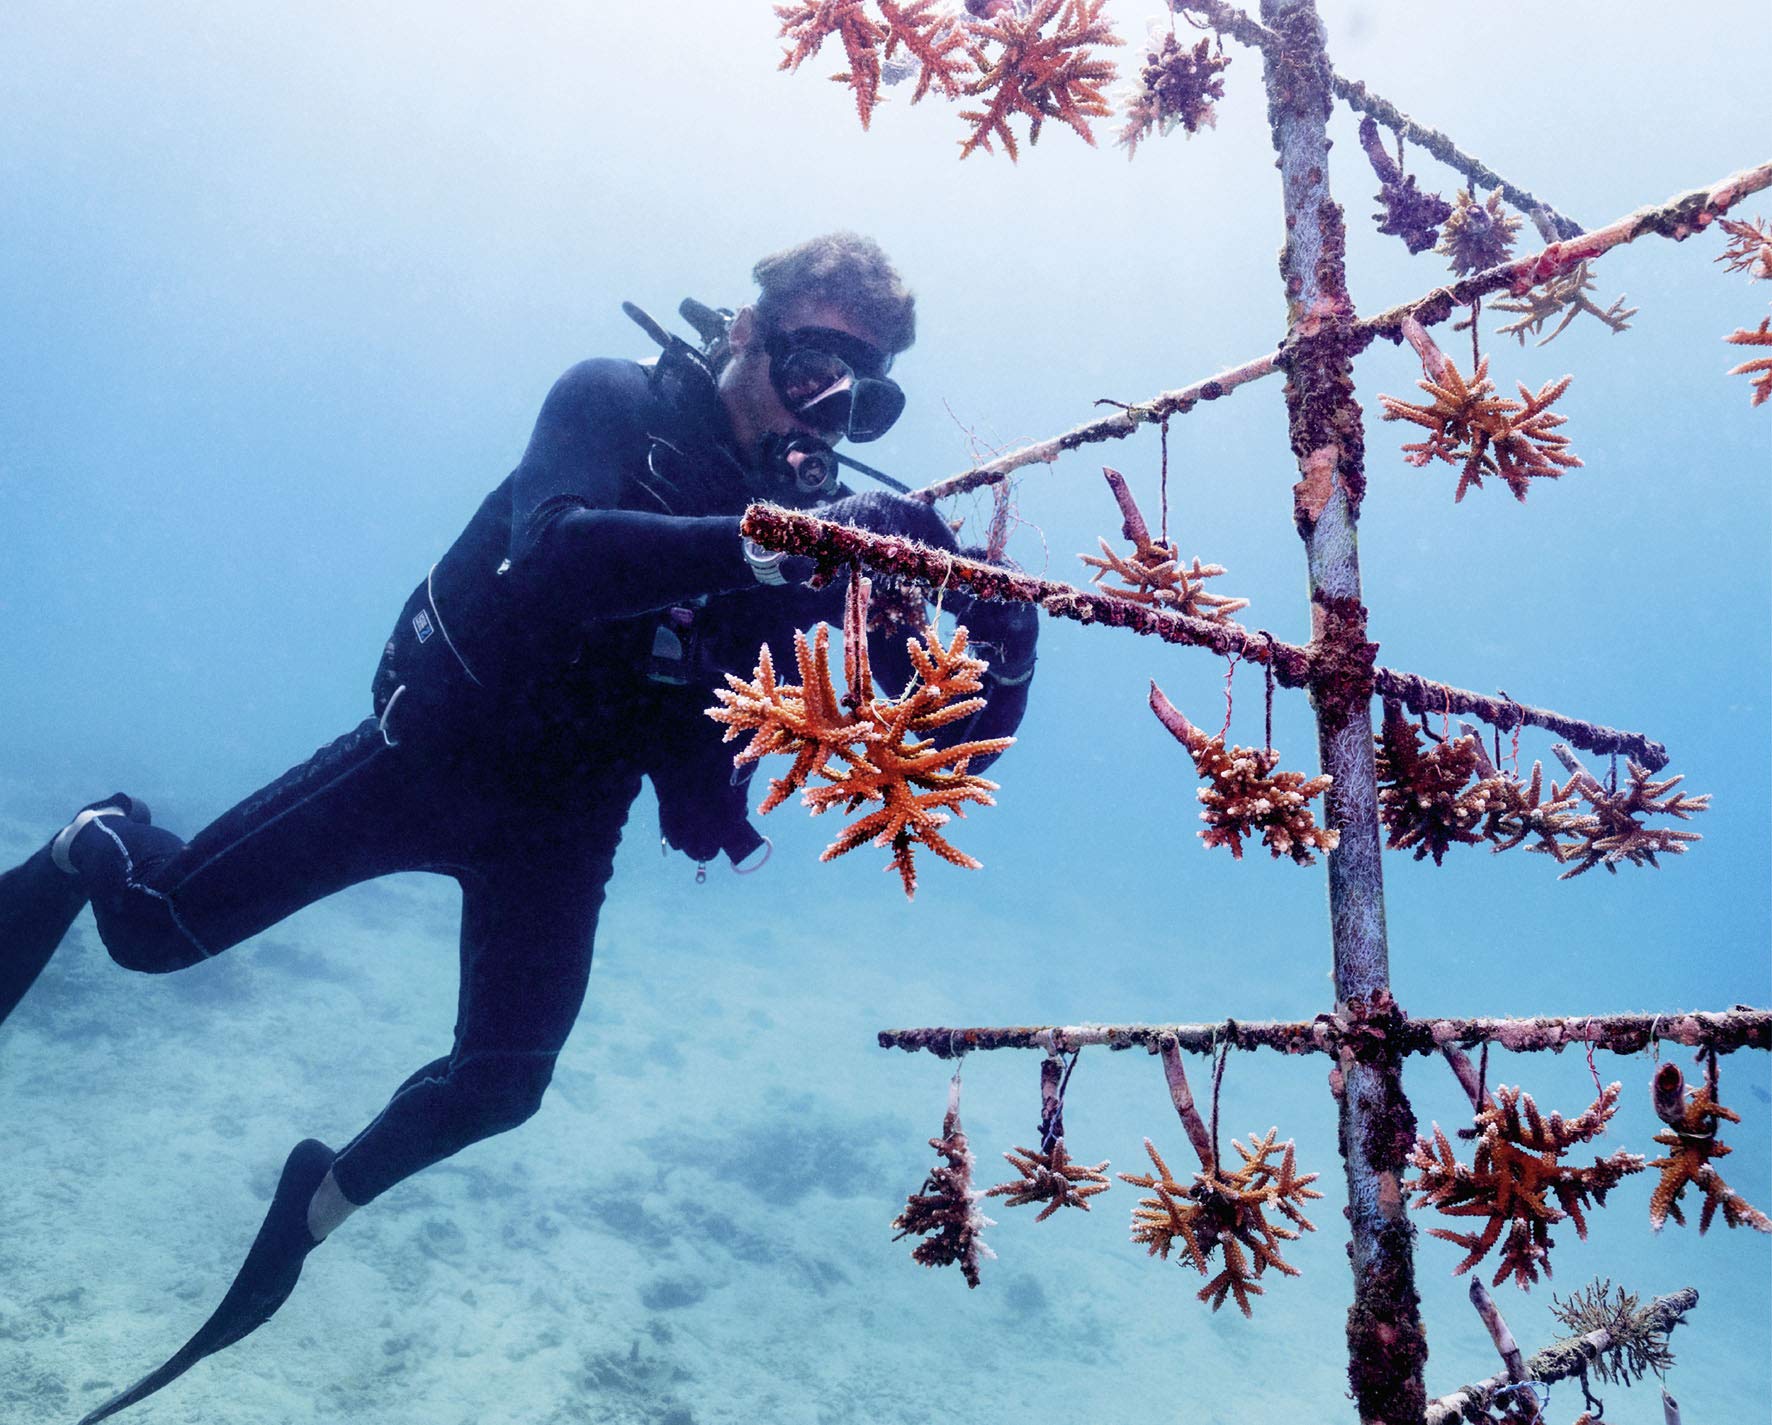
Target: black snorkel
(804, 463)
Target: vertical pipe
(1386, 1347)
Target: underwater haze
(281, 290)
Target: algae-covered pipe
(1386, 1347)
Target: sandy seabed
(693, 1230)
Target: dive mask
(834, 382)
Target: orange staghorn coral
(1247, 795)
(935, 39)
(1692, 1116)
(1024, 70)
(1760, 368)
(1052, 1178)
(807, 24)
(1514, 1177)
(865, 747)
(1226, 1211)
(1468, 424)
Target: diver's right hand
(878, 512)
(882, 512)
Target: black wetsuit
(563, 648)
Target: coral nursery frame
(1366, 1033)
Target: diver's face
(746, 390)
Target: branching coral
(868, 749)
(1477, 235)
(1760, 368)
(1226, 1211)
(1565, 295)
(1692, 1116)
(1176, 88)
(1514, 810)
(933, 39)
(807, 24)
(1636, 1346)
(1469, 425)
(1246, 796)
(1513, 1177)
(1153, 574)
(1408, 213)
(944, 1211)
(1025, 70)
(1049, 1176)
(1427, 800)
(1750, 246)
(1612, 830)
(1452, 794)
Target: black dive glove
(1004, 635)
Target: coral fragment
(1246, 796)
(868, 748)
(1513, 1178)
(1024, 70)
(1226, 1212)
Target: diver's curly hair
(849, 271)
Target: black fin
(264, 1280)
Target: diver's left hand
(1003, 634)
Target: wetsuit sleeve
(573, 552)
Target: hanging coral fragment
(1047, 1173)
(1428, 800)
(1225, 1212)
(933, 44)
(1245, 796)
(1513, 1178)
(1221, 1211)
(1611, 829)
(1152, 573)
(1025, 70)
(1693, 1116)
(1176, 88)
(1477, 235)
(1453, 794)
(1564, 296)
(1408, 213)
(868, 748)
(1469, 425)
(944, 1211)
(1749, 248)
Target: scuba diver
(562, 649)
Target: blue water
(281, 294)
